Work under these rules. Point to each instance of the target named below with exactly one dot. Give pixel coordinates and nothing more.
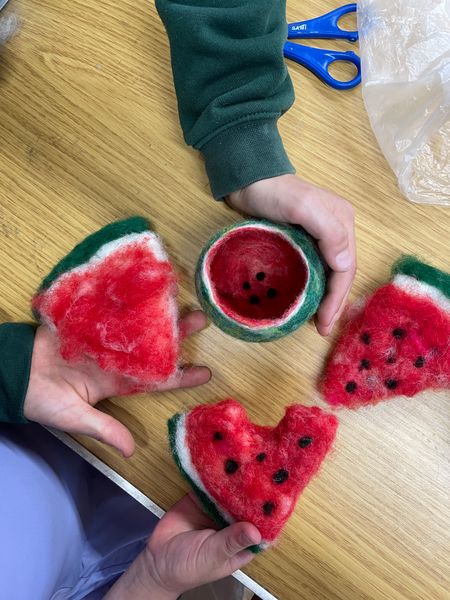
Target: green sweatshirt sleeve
(232, 85)
(16, 348)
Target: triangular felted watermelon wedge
(245, 472)
(113, 299)
(397, 343)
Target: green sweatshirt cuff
(16, 349)
(243, 154)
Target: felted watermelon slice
(245, 472)
(397, 343)
(259, 281)
(113, 299)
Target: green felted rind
(208, 505)
(313, 292)
(413, 267)
(90, 245)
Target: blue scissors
(3, 3)
(317, 60)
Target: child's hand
(327, 217)
(63, 395)
(183, 553)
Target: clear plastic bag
(8, 26)
(405, 52)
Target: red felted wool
(397, 343)
(260, 281)
(113, 300)
(246, 472)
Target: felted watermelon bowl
(259, 281)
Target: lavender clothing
(66, 531)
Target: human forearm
(16, 348)
(137, 583)
(232, 85)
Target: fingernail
(245, 540)
(344, 260)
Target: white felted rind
(154, 245)
(184, 456)
(420, 289)
(178, 436)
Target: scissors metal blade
(3, 3)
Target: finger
(339, 285)
(184, 516)
(105, 428)
(332, 234)
(225, 544)
(238, 562)
(195, 376)
(192, 323)
(188, 377)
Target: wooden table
(89, 134)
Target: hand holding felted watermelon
(322, 213)
(260, 281)
(397, 343)
(185, 552)
(64, 395)
(112, 299)
(245, 472)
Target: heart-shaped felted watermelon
(260, 281)
(246, 472)
(396, 343)
(113, 299)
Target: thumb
(107, 429)
(330, 232)
(227, 548)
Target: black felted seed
(254, 299)
(391, 360)
(391, 384)
(261, 456)
(419, 363)
(272, 293)
(231, 466)
(351, 387)
(305, 441)
(217, 436)
(260, 276)
(399, 333)
(365, 364)
(268, 508)
(280, 476)
(246, 285)
(365, 338)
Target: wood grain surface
(89, 134)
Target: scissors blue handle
(3, 3)
(325, 27)
(318, 60)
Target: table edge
(144, 500)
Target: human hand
(185, 552)
(63, 395)
(326, 216)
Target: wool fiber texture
(246, 472)
(113, 299)
(396, 343)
